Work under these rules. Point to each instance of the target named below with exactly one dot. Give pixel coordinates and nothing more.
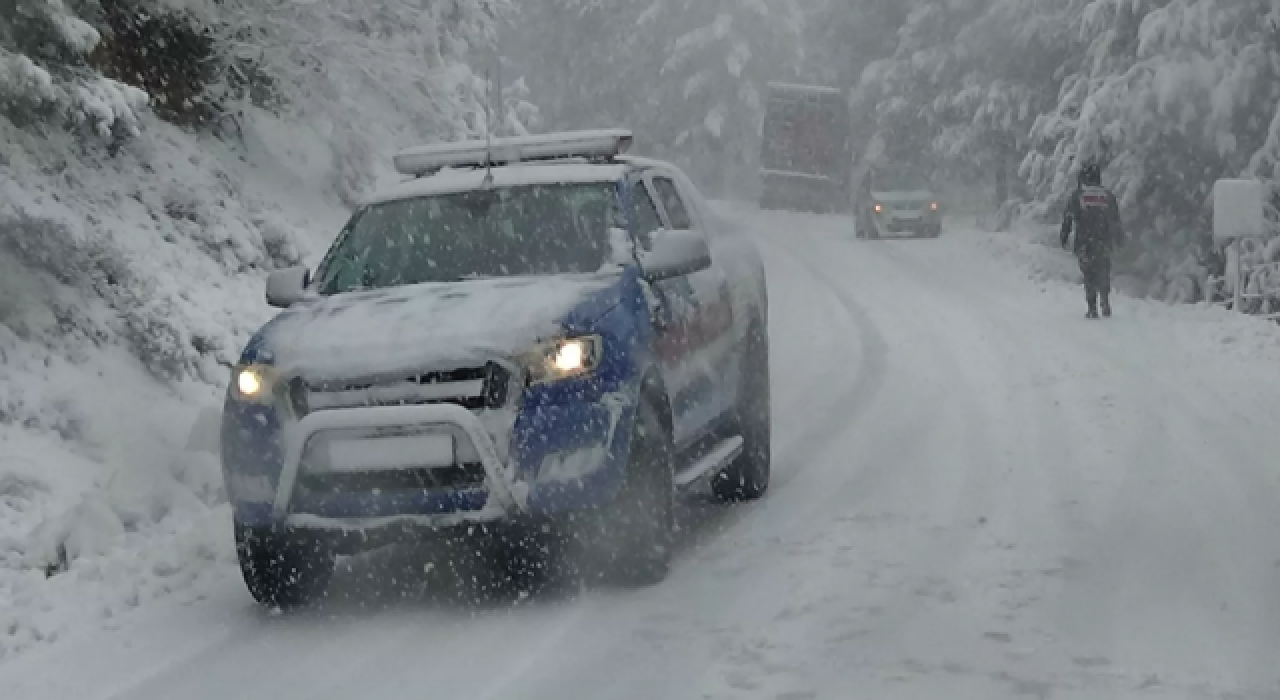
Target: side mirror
(1240, 209)
(287, 287)
(675, 254)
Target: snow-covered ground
(978, 494)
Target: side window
(676, 210)
(646, 212)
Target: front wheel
(640, 523)
(747, 478)
(283, 568)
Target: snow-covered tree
(845, 36)
(584, 61)
(46, 77)
(1171, 95)
(687, 75)
(708, 109)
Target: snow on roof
(646, 162)
(466, 180)
(811, 89)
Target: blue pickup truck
(538, 334)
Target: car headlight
(565, 358)
(254, 384)
(879, 208)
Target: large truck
(806, 158)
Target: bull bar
(506, 496)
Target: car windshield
(900, 181)
(506, 232)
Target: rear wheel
(283, 568)
(747, 478)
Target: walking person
(1094, 215)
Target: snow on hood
(904, 196)
(422, 326)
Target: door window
(645, 212)
(677, 212)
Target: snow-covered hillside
(133, 253)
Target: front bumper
(553, 454)
(921, 226)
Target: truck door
(700, 345)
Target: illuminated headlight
(879, 208)
(933, 206)
(254, 384)
(567, 358)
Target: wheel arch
(654, 392)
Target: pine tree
(710, 102)
(46, 77)
(584, 61)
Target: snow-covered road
(978, 494)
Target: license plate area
(388, 461)
(391, 452)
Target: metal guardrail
(1241, 293)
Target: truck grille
(392, 482)
(472, 388)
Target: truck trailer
(806, 158)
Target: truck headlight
(254, 384)
(566, 358)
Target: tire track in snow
(914, 447)
(854, 400)
(836, 415)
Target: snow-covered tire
(282, 568)
(747, 478)
(639, 525)
(869, 232)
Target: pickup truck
(529, 335)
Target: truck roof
(805, 89)
(453, 181)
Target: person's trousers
(1097, 279)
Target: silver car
(898, 204)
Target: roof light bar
(572, 144)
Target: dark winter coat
(1094, 214)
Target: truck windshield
(512, 231)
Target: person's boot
(1092, 313)
(1106, 307)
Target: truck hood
(426, 326)
(904, 197)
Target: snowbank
(1206, 333)
(128, 284)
